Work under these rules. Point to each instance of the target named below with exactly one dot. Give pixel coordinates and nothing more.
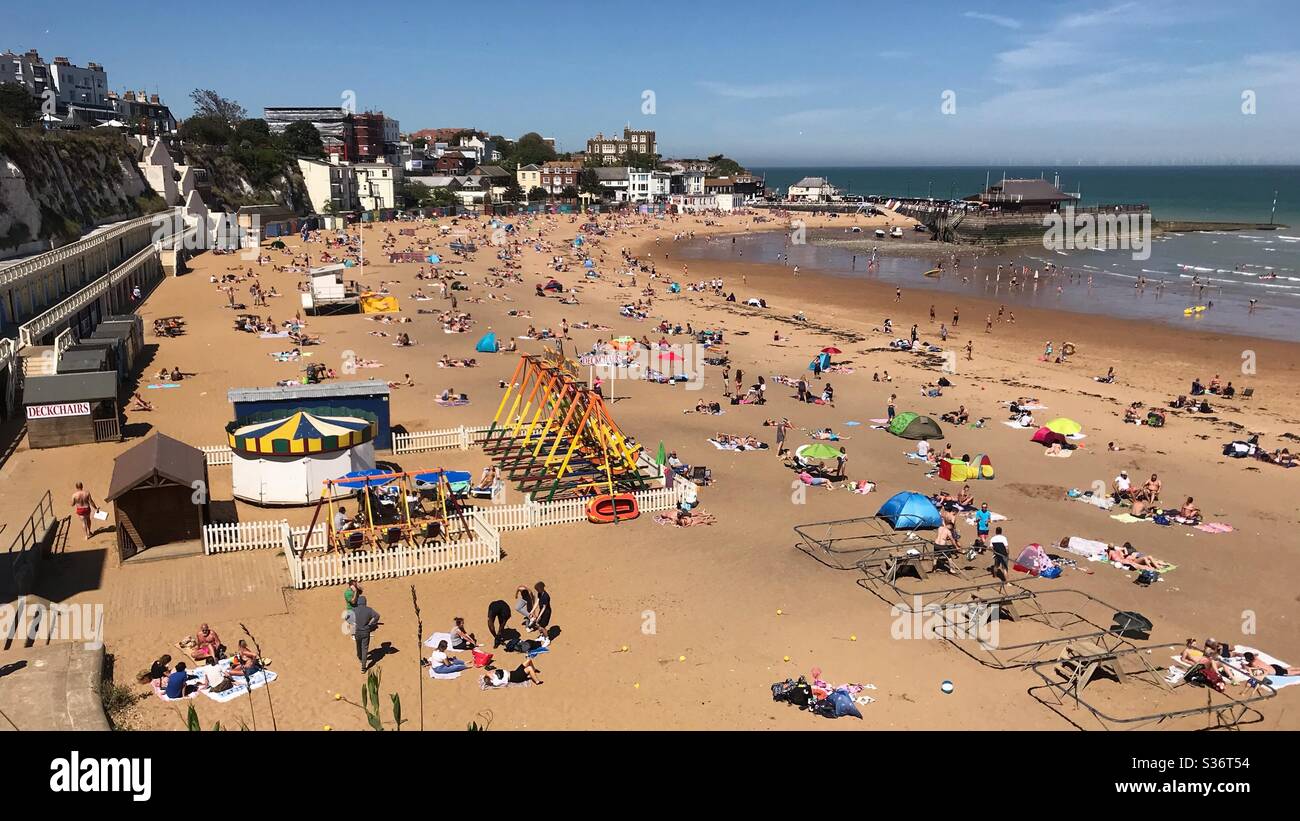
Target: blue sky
(770, 83)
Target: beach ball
(853, 638)
(625, 648)
(946, 687)
(787, 658)
(681, 658)
(778, 612)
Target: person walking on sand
(898, 294)
(365, 620)
(970, 350)
(781, 428)
(82, 503)
(893, 398)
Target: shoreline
(1110, 305)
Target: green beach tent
(909, 425)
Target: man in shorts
(1001, 555)
(82, 504)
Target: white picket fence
(230, 536)
(217, 454)
(567, 511)
(461, 438)
(261, 535)
(319, 569)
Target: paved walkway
(223, 587)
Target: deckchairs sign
(63, 409)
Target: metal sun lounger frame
(1227, 712)
(874, 547)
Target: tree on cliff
(17, 106)
(301, 139)
(208, 103)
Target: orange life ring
(605, 509)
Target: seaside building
(376, 185)
(1024, 195)
(143, 113)
(170, 181)
(613, 183)
(529, 177)
(811, 189)
(368, 132)
(70, 83)
(331, 186)
(560, 174)
(647, 186)
(688, 181)
(334, 124)
(612, 150)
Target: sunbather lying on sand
(1128, 556)
(1258, 668)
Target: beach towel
(732, 446)
(872, 421)
(915, 456)
(1089, 548)
(1028, 407)
(1017, 425)
(280, 335)
(259, 679)
(1215, 527)
(1065, 454)
(451, 403)
(446, 676)
(1103, 502)
(1128, 518)
(993, 517)
(853, 423)
(163, 385)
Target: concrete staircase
(39, 360)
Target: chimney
(128, 96)
(62, 61)
(153, 98)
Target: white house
(811, 189)
(329, 183)
(647, 186)
(376, 185)
(693, 181)
(170, 181)
(694, 202)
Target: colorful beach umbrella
(817, 450)
(1063, 426)
(831, 349)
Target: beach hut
(159, 492)
(285, 460)
(71, 409)
(909, 425)
(488, 344)
(1047, 437)
(909, 511)
(955, 470)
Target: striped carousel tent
(302, 432)
(285, 460)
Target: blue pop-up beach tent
(488, 344)
(433, 258)
(823, 358)
(909, 511)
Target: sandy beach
(709, 615)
